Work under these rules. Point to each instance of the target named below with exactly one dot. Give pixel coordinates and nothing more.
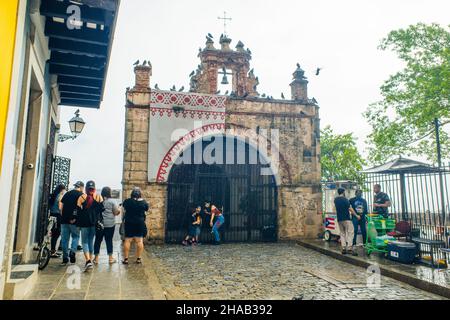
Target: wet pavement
(268, 271)
(229, 271)
(416, 272)
(103, 282)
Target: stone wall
(299, 196)
(135, 168)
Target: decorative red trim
(185, 113)
(187, 99)
(174, 151)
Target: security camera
(30, 166)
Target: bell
(224, 79)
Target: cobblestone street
(229, 271)
(266, 271)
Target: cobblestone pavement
(266, 271)
(104, 282)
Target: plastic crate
(382, 241)
(384, 224)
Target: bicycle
(43, 256)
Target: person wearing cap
(90, 207)
(359, 205)
(69, 229)
(135, 229)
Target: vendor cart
(377, 229)
(330, 222)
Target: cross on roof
(224, 18)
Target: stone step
(22, 280)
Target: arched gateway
(161, 125)
(245, 190)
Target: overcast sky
(339, 36)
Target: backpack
(92, 216)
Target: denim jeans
(67, 231)
(108, 234)
(87, 239)
(362, 224)
(219, 222)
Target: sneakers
(72, 257)
(88, 265)
(54, 254)
(64, 262)
(184, 243)
(344, 251)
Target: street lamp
(76, 125)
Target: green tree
(340, 159)
(402, 122)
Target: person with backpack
(69, 229)
(109, 226)
(89, 219)
(134, 221)
(55, 211)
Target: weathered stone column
(135, 162)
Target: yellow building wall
(8, 21)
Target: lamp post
(76, 125)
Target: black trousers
(108, 234)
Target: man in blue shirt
(359, 204)
(344, 213)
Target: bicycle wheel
(43, 257)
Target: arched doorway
(248, 198)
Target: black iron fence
(420, 198)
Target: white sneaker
(88, 266)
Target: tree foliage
(402, 122)
(340, 159)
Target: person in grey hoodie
(109, 226)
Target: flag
(330, 223)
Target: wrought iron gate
(248, 198)
(61, 172)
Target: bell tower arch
(215, 62)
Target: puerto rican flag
(330, 223)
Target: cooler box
(403, 252)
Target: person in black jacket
(135, 229)
(69, 227)
(89, 215)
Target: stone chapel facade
(151, 149)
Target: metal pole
(403, 197)
(439, 159)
